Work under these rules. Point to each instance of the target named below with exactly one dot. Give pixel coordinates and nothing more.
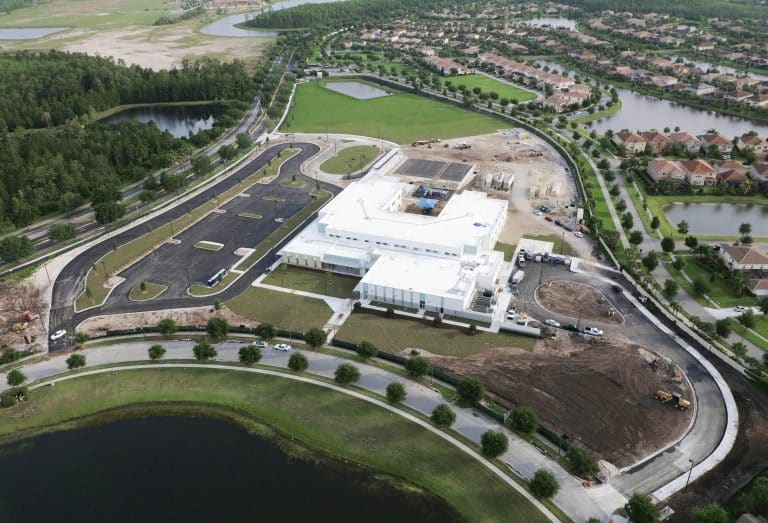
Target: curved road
(70, 282)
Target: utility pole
(562, 243)
(578, 323)
(688, 480)
(104, 266)
(170, 222)
(189, 282)
(45, 266)
(234, 238)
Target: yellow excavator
(677, 399)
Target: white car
(58, 334)
(537, 213)
(283, 347)
(740, 308)
(594, 331)
(578, 234)
(552, 323)
(262, 344)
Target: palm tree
(675, 306)
(739, 282)
(745, 229)
(682, 227)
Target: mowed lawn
(281, 309)
(397, 334)
(351, 159)
(318, 282)
(315, 417)
(400, 117)
(488, 85)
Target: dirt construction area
(575, 299)
(598, 392)
(17, 328)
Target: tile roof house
(718, 140)
(759, 172)
(691, 143)
(656, 141)
(759, 287)
(754, 142)
(743, 257)
(661, 169)
(699, 172)
(632, 142)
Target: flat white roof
(362, 209)
(421, 274)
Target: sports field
(400, 117)
(489, 85)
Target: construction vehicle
(29, 316)
(544, 208)
(584, 229)
(19, 327)
(679, 402)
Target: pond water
(28, 33)
(226, 26)
(189, 469)
(705, 66)
(179, 120)
(552, 21)
(719, 218)
(357, 90)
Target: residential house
(692, 144)
(699, 172)
(660, 169)
(731, 172)
(632, 142)
(655, 141)
(759, 172)
(743, 257)
(722, 143)
(753, 142)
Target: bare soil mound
(598, 392)
(574, 299)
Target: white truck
(518, 277)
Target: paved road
(709, 425)
(70, 282)
(579, 502)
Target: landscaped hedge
(11, 397)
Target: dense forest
(48, 89)
(6, 6)
(337, 14)
(690, 9)
(55, 159)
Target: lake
(706, 66)
(179, 120)
(357, 90)
(552, 21)
(190, 470)
(719, 218)
(226, 26)
(28, 33)
(642, 112)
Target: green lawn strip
(686, 285)
(394, 307)
(600, 114)
(282, 309)
(561, 245)
(287, 226)
(396, 334)
(209, 246)
(600, 210)
(761, 325)
(720, 290)
(351, 159)
(134, 250)
(637, 202)
(251, 215)
(321, 419)
(318, 282)
(504, 90)
(152, 291)
(400, 117)
(271, 198)
(506, 248)
(204, 290)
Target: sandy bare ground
(506, 153)
(597, 391)
(16, 298)
(576, 299)
(165, 46)
(98, 325)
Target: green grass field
(560, 240)
(351, 159)
(314, 417)
(318, 282)
(397, 334)
(281, 309)
(400, 117)
(470, 81)
(506, 248)
(720, 290)
(90, 14)
(152, 291)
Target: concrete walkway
(576, 500)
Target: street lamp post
(234, 238)
(688, 480)
(104, 266)
(189, 282)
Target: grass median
(125, 255)
(350, 160)
(320, 419)
(318, 282)
(149, 292)
(398, 333)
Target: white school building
(440, 262)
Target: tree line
(48, 89)
(6, 6)
(690, 9)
